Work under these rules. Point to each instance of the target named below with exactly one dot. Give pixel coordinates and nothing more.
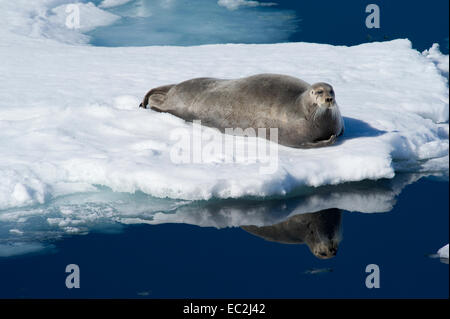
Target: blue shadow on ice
(355, 128)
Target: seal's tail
(155, 97)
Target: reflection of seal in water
(305, 115)
(320, 231)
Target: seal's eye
(320, 92)
(331, 92)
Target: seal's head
(324, 234)
(322, 94)
(325, 249)
(321, 107)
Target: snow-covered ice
(438, 58)
(70, 124)
(76, 120)
(69, 117)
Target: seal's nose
(329, 100)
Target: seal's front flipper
(322, 143)
(156, 97)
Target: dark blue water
(179, 260)
(148, 22)
(334, 22)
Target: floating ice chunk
(112, 3)
(68, 138)
(236, 4)
(16, 231)
(56, 20)
(20, 248)
(443, 252)
(91, 16)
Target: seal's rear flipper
(156, 97)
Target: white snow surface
(441, 60)
(69, 119)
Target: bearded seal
(305, 115)
(320, 231)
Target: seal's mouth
(325, 250)
(327, 105)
